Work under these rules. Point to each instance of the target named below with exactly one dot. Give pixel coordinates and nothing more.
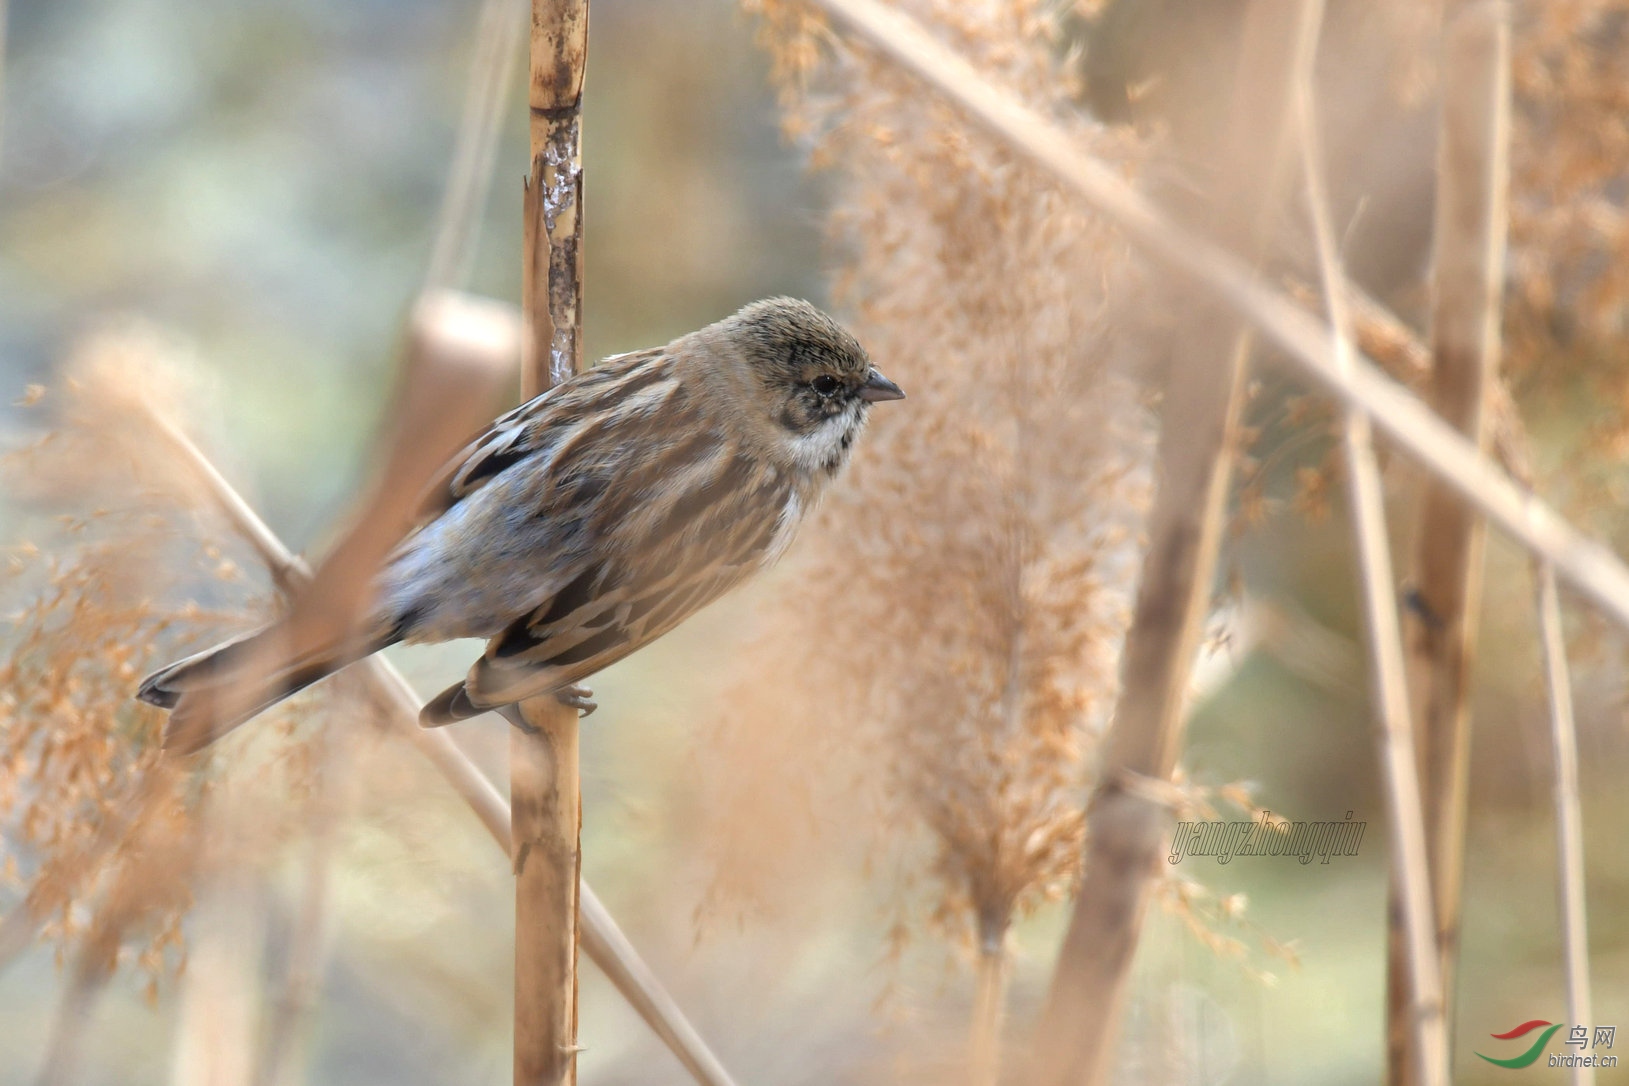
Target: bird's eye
(826, 385)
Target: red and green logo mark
(1579, 1037)
(1528, 1058)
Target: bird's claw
(577, 696)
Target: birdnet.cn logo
(1588, 1043)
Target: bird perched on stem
(586, 522)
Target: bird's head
(805, 383)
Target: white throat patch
(815, 451)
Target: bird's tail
(210, 693)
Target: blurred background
(258, 181)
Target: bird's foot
(577, 696)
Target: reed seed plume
(1567, 301)
(1569, 146)
(101, 839)
(86, 803)
(950, 627)
(94, 443)
(932, 675)
(1567, 283)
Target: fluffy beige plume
(949, 627)
(100, 835)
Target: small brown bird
(591, 520)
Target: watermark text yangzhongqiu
(1266, 837)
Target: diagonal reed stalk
(1467, 283)
(1427, 1030)
(544, 786)
(1591, 569)
(603, 940)
(463, 202)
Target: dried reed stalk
(221, 997)
(1467, 284)
(1425, 1021)
(1126, 819)
(282, 1052)
(460, 351)
(1569, 815)
(86, 985)
(17, 932)
(603, 940)
(989, 1014)
(469, 179)
(544, 788)
(1592, 570)
(1387, 336)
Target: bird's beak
(878, 388)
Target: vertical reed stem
(1127, 817)
(221, 1002)
(1412, 910)
(989, 1010)
(605, 943)
(1569, 815)
(283, 1053)
(65, 1043)
(1467, 274)
(545, 797)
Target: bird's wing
(681, 560)
(536, 425)
(545, 494)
